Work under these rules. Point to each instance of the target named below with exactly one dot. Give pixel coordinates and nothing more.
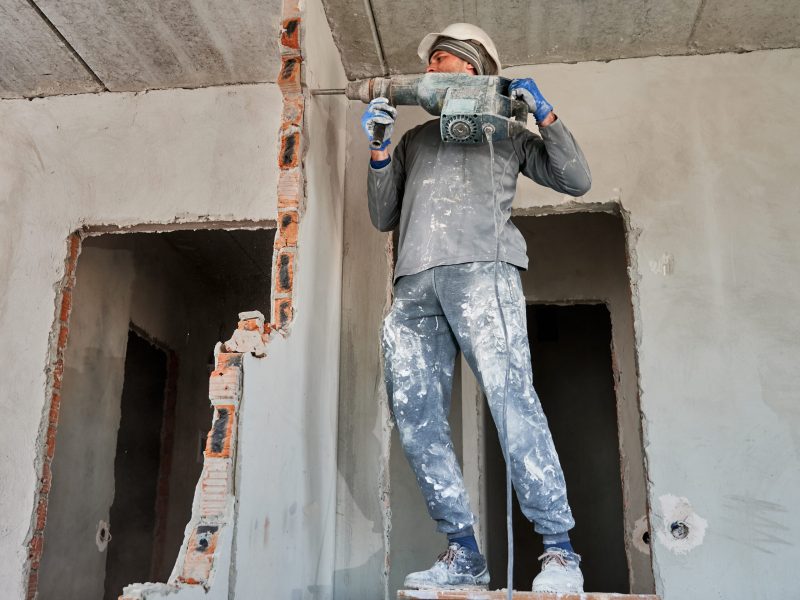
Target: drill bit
(327, 92)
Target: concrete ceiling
(71, 46)
(50, 47)
(544, 31)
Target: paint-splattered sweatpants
(434, 313)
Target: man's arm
(385, 186)
(386, 177)
(554, 160)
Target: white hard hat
(459, 31)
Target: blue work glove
(526, 90)
(379, 112)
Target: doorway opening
(580, 327)
(147, 310)
(571, 356)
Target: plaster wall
(68, 162)
(712, 203)
(285, 521)
(710, 191)
(83, 469)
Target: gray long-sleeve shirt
(440, 194)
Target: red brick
(290, 76)
(228, 359)
(55, 408)
(36, 546)
(290, 33)
(287, 229)
(33, 584)
(46, 479)
(283, 272)
(225, 384)
(223, 429)
(290, 188)
(289, 156)
(63, 335)
(58, 373)
(50, 442)
(293, 109)
(66, 304)
(74, 250)
(199, 555)
(41, 513)
(282, 312)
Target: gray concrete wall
(712, 193)
(66, 162)
(710, 190)
(83, 469)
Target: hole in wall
(580, 325)
(147, 309)
(573, 377)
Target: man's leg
(469, 299)
(467, 294)
(419, 355)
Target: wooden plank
(502, 595)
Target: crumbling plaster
(120, 159)
(700, 153)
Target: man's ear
(470, 69)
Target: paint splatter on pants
(434, 313)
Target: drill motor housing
(465, 103)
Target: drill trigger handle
(378, 131)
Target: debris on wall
(663, 266)
(677, 526)
(251, 335)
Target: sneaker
(458, 568)
(561, 572)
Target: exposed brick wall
(290, 161)
(55, 373)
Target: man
(447, 286)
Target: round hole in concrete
(646, 537)
(679, 530)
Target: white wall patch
(677, 526)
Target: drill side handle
(378, 131)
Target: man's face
(443, 62)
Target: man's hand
(379, 112)
(527, 91)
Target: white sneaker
(458, 568)
(561, 572)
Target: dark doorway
(136, 465)
(116, 469)
(571, 354)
